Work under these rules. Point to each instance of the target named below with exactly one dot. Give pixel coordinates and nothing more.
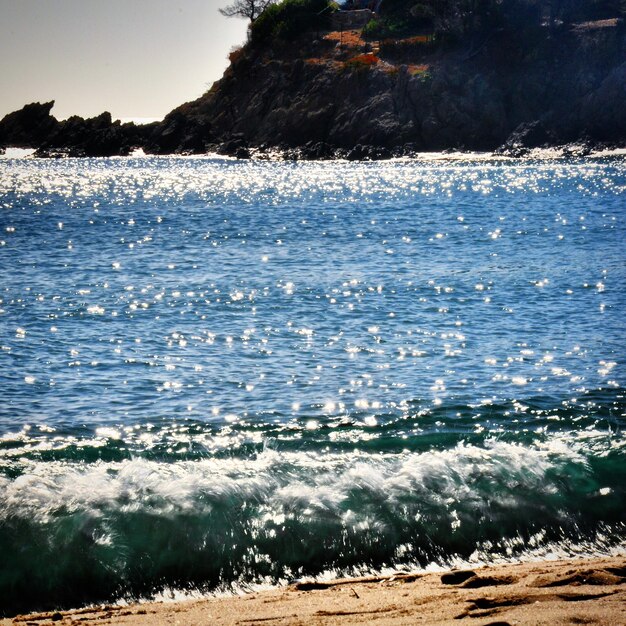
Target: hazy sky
(134, 58)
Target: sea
(221, 375)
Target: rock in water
(28, 127)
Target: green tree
(248, 9)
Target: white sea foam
(310, 484)
(516, 550)
(17, 153)
(140, 120)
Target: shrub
(369, 58)
(421, 70)
(385, 27)
(407, 47)
(362, 61)
(287, 20)
(371, 30)
(236, 52)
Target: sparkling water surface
(218, 373)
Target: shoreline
(567, 151)
(570, 591)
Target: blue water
(215, 374)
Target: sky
(134, 58)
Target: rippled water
(218, 373)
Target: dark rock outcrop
(28, 127)
(93, 137)
(525, 137)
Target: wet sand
(591, 591)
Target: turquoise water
(215, 374)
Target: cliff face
(291, 103)
(317, 98)
(572, 89)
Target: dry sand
(554, 593)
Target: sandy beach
(588, 591)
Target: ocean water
(218, 374)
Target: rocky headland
(325, 91)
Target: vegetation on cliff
(287, 20)
(454, 19)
